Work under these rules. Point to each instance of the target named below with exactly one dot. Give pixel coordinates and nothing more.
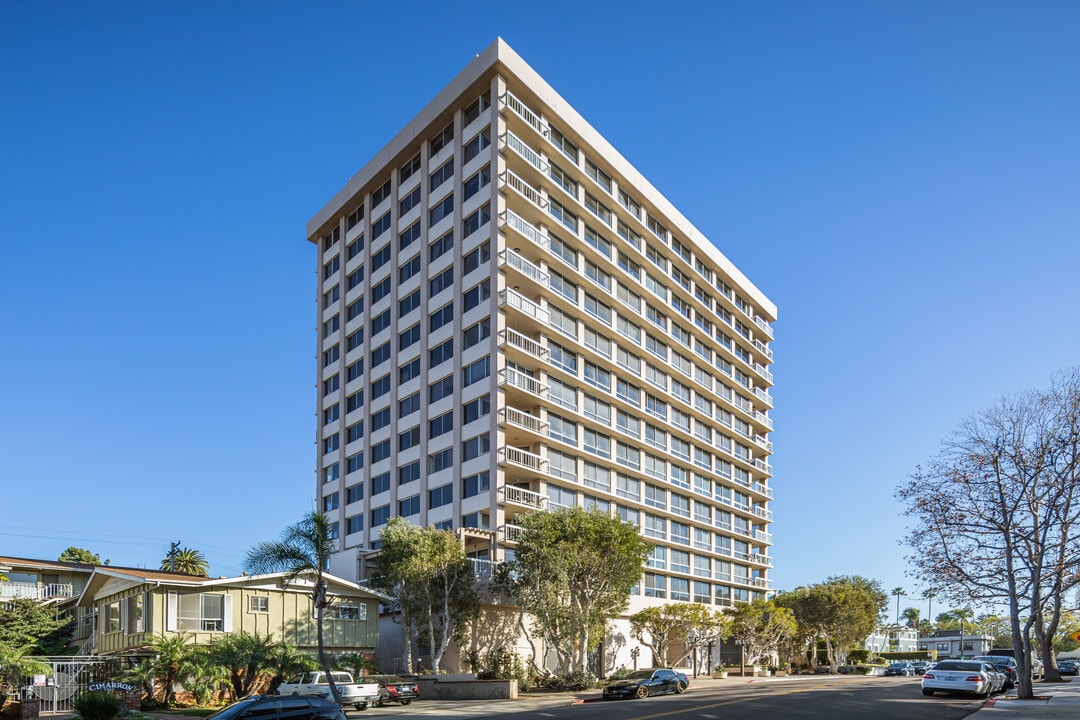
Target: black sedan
(643, 683)
(1069, 667)
(395, 689)
(282, 707)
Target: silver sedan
(963, 676)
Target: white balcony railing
(35, 591)
(762, 443)
(523, 304)
(482, 568)
(530, 270)
(529, 155)
(511, 102)
(522, 458)
(763, 466)
(765, 327)
(523, 343)
(763, 419)
(526, 229)
(763, 583)
(527, 191)
(516, 378)
(762, 536)
(762, 512)
(526, 498)
(763, 349)
(761, 489)
(512, 533)
(760, 559)
(522, 419)
(763, 372)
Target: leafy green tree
(842, 612)
(173, 656)
(304, 549)
(79, 555)
(204, 675)
(27, 623)
(143, 675)
(427, 573)
(910, 617)
(356, 663)
(898, 592)
(285, 661)
(677, 623)
(187, 561)
(573, 572)
(761, 626)
(244, 656)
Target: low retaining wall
(465, 687)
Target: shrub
(501, 664)
(621, 673)
(97, 705)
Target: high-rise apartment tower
(512, 319)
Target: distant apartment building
(512, 319)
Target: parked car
(1036, 664)
(900, 668)
(1069, 667)
(966, 676)
(643, 683)
(395, 689)
(920, 666)
(358, 694)
(282, 707)
(1004, 664)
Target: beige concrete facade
(511, 318)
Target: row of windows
(437, 497)
(634, 208)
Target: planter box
(719, 674)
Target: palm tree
(15, 664)
(174, 655)
(899, 593)
(911, 617)
(304, 549)
(244, 657)
(286, 660)
(928, 595)
(187, 561)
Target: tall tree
(573, 572)
(841, 612)
(762, 626)
(898, 592)
(427, 572)
(994, 514)
(187, 561)
(79, 555)
(304, 549)
(910, 616)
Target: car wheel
(406, 702)
(927, 692)
(642, 692)
(360, 706)
(680, 687)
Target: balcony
(510, 338)
(760, 559)
(763, 419)
(524, 305)
(762, 512)
(513, 378)
(763, 349)
(763, 373)
(512, 141)
(511, 533)
(521, 226)
(523, 420)
(511, 495)
(509, 101)
(763, 537)
(35, 591)
(522, 458)
(536, 207)
(763, 466)
(482, 568)
(763, 583)
(517, 261)
(763, 396)
(762, 443)
(765, 327)
(761, 489)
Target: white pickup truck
(359, 695)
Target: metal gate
(68, 677)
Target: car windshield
(640, 675)
(389, 679)
(233, 710)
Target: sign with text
(110, 686)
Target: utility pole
(172, 554)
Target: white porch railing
(529, 155)
(530, 270)
(526, 229)
(523, 304)
(517, 183)
(523, 497)
(522, 458)
(516, 378)
(512, 533)
(524, 343)
(510, 101)
(522, 419)
(35, 591)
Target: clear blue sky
(902, 179)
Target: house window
(112, 617)
(133, 623)
(201, 612)
(347, 611)
(259, 604)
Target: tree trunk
(319, 596)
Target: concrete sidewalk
(1051, 700)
